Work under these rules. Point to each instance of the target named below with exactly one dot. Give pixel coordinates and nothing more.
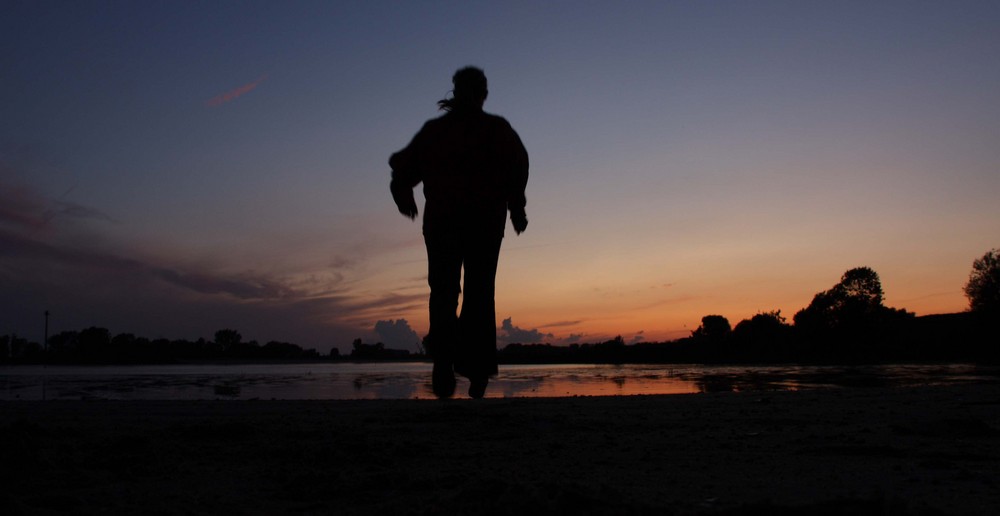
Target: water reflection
(411, 380)
(587, 380)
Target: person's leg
(476, 357)
(444, 275)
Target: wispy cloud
(231, 95)
(22, 208)
(48, 261)
(241, 286)
(562, 324)
(246, 286)
(25, 209)
(361, 309)
(72, 209)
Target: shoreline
(874, 450)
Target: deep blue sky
(687, 158)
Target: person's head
(470, 90)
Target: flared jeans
(467, 340)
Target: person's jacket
(473, 166)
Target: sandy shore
(927, 450)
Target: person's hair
(470, 90)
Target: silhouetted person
(474, 169)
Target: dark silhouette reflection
(474, 169)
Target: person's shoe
(443, 380)
(477, 387)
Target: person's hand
(403, 197)
(408, 208)
(519, 220)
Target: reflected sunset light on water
(411, 380)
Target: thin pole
(45, 344)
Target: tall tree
(228, 339)
(861, 285)
(983, 288)
(713, 327)
(856, 299)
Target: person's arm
(406, 174)
(402, 195)
(518, 181)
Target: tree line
(847, 323)
(97, 346)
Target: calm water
(412, 380)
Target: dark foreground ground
(926, 450)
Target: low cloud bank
(397, 334)
(510, 334)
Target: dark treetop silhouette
(474, 169)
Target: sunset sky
(173, 168)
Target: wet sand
(916, 450)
